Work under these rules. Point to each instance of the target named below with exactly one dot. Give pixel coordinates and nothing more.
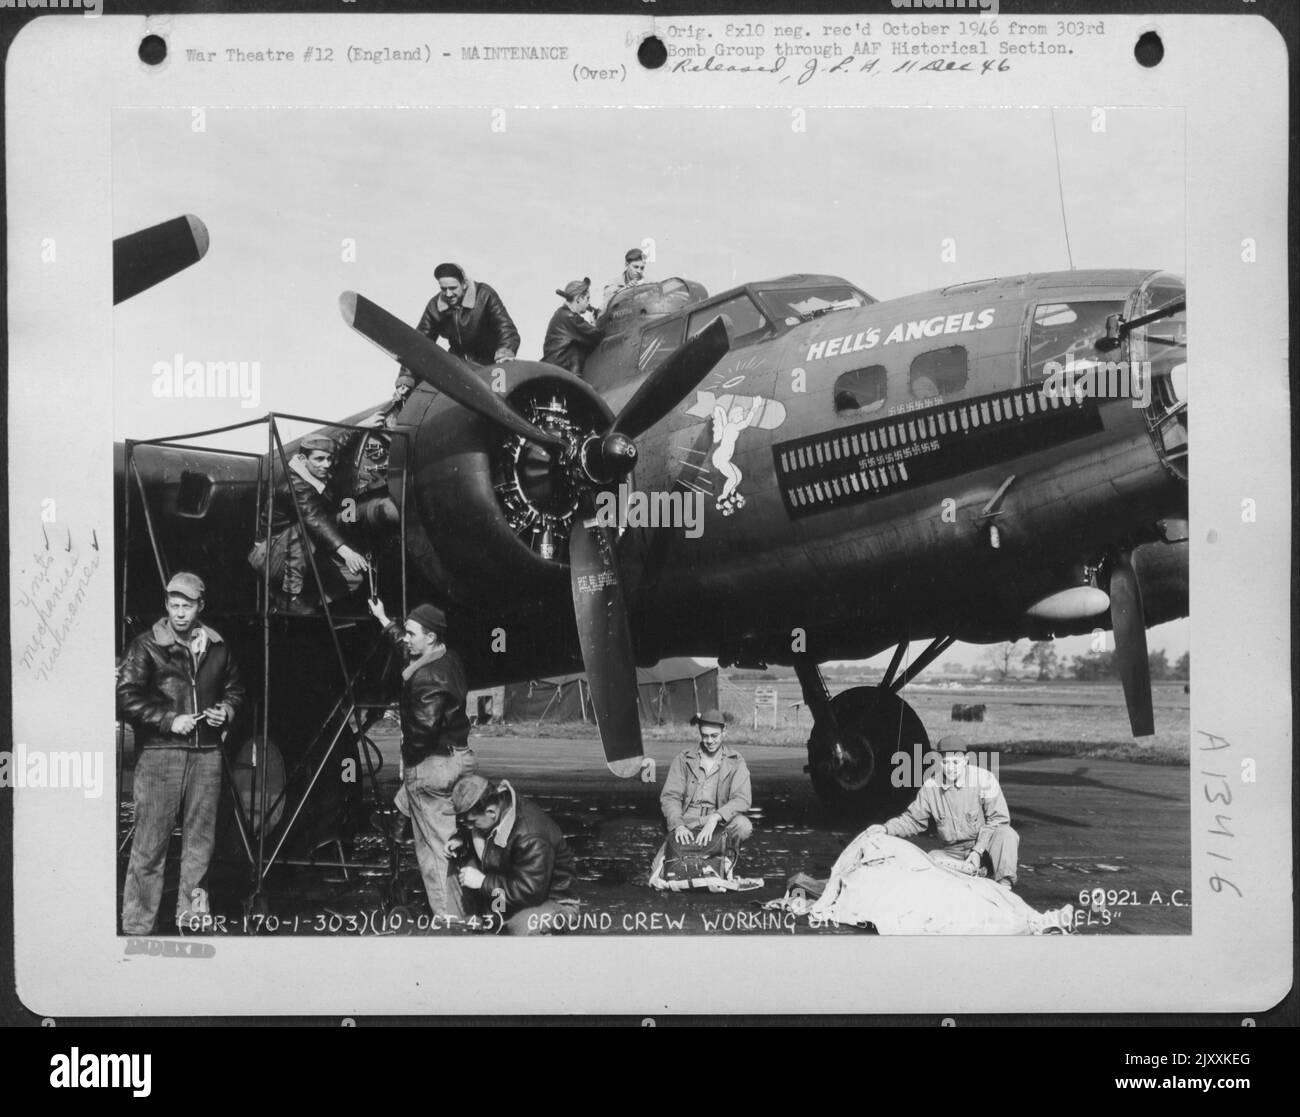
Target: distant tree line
(1042, 657)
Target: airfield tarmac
(1084, 824)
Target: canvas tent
(669, 693)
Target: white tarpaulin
(895, 886)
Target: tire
(874, 725)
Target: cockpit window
(743, 320)
(651, 299)
(658, 341)
(1067, 333)
(789, 308)
(861, 391)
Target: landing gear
(856, 735)
(850, 759)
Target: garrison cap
(633, 254)
(429, 617)
(317, 442)
(953, 743)
(710, 717)
(573, 290)
(187, 585)
(468, 792)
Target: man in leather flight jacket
(435, 745)
(473, 319)
(570, 335)
(519, 867)
(178, 686)
(306, 484)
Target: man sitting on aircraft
(969, 813)
(570, 336)
(707, 787)
(178, 685)
(435, 745)
(473, 319)
(306, 485)
(517, 864)
(634, 262)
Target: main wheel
(851, 766)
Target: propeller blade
(669, 384)
(448, 373)
(1127, 620)
(151, 255)
(606, 641)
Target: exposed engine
(497, 508)
(538, 490)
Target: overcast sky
(727, 195)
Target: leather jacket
(480, 329)
(569, 338)
(318, 515)
(432, 706)
(527, 858)
(158, 681)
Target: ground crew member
(518, 865)
(435, 745)
(178, 686)
(708, 786)
(634, 264)
(472, 318)
(306, 484)
(570, 335)
(969, 813)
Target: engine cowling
(488, 509)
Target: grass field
(1044, 719)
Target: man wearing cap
(707, 787)
(435, 744)
(634, 263)
(473, 319)
(306, 485)
(178, 686)
(570, 336)
(518, 865)
(969, 813)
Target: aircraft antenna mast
(1060, 191)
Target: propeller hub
(606, 458)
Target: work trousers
(169, 781)
(425, 797)
(1000, 859)
(737, 830)
(291, 567)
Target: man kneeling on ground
(707, 787)
(969, 813)
(515, 862)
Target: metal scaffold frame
(361, 715)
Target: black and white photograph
(761, 513)
(880, 509)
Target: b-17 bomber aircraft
(787, 472)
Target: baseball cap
(187, 585)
